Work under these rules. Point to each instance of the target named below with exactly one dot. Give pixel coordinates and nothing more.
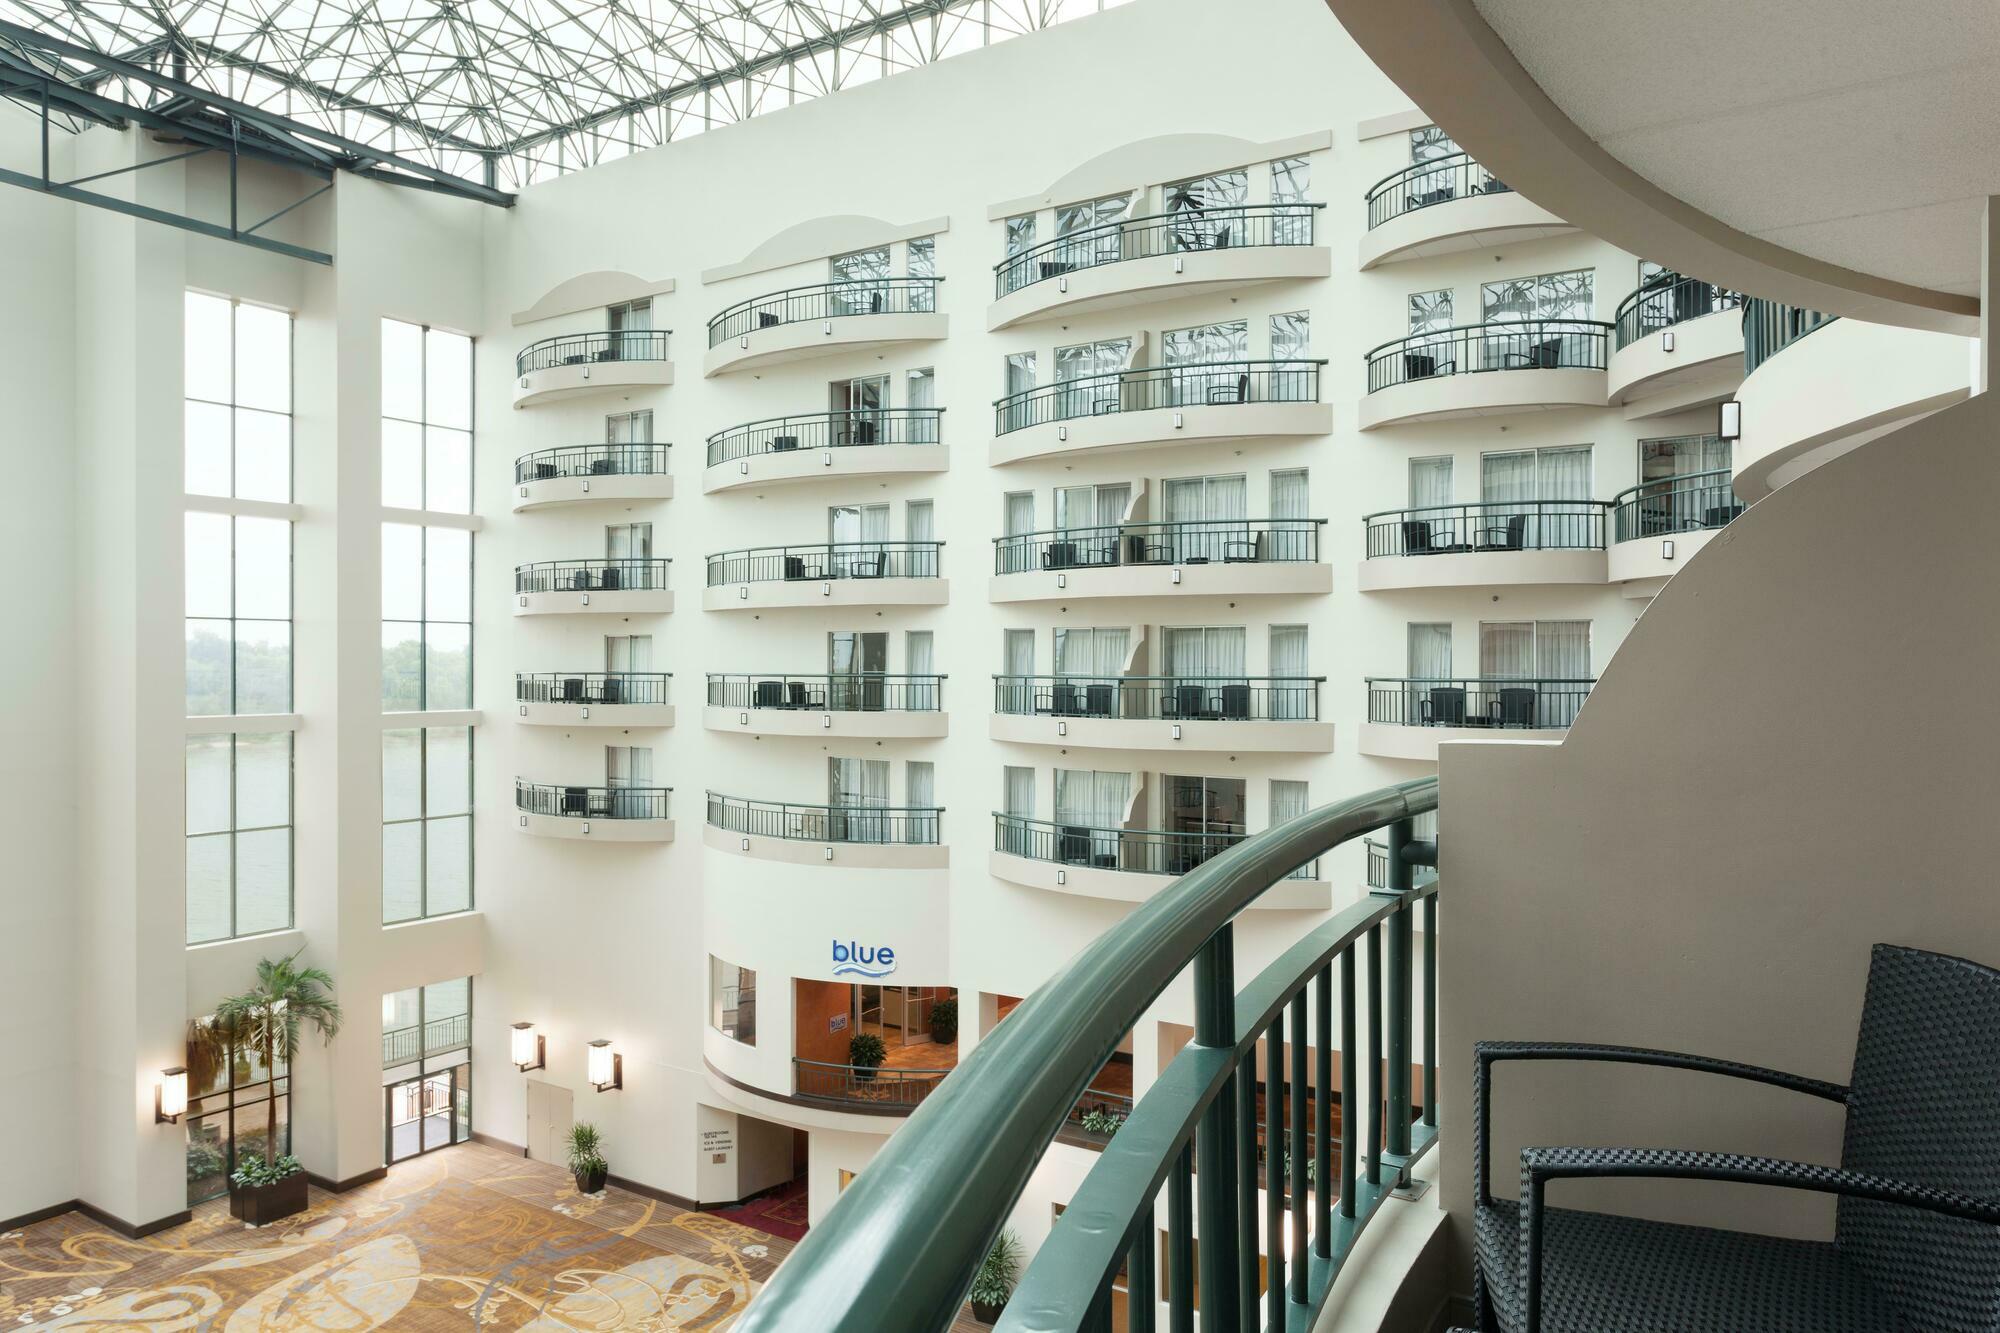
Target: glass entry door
(427, 1112)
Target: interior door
(550, 1115)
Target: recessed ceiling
(533, 87)
(1854, 132)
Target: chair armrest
(1541, 1165)
(1486, 1054)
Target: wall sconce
(530, 1048)
(170, 1096)
(1729, 420)
(1667, 341)
(607, 1067)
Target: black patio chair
(572, 689)
(1416, 536)
(770, 694)
(1515, 706)
(1065, 700)
(1097, 701)
(1444, 706)
(1916, 1241)
(1059, 555)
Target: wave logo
(859, 960)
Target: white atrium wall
(611, 941)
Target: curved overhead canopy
(1832, 154)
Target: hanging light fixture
(606, 1068)
(530, 1048)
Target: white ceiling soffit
(1834, 155)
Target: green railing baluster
(1296, 1251)
(1274, 1172)
(1375, 1055)
(1215, 1025)
(1180, 1243)
(1430, 1011)
(1246, 1190)
(1323, 1115)
(1347, 1082)
(1401, 878)
(1139, 1297)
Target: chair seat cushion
(1606, 1274)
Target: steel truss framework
(470, 95)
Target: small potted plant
(268, 1019)
(994, 1282)
(866, 1052)
(586, 1158)
(261, 1192)
(944, 1020)
(1101, 1120)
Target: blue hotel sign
(853, 959)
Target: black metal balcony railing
(1378, 866)
(946, 1182)
(915, 826)
(827, 430)
(1209, 384)
(825, 300)
(1690, 503)
(1233, 228)
(548, 798)
(1438, 181)
(400, 1046)
(576, 349)
(1528, 344)
(1230, 541)
(1476, 701)
(590, 575)
(591, 687)
(1162, 698)
(896, 1090)
(1769, 328)
(1139, 851)
(1663, 304)
(593, 460)
(1494, 525)
(1091, 1108)
(850, 692)
(828, 560)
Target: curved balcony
(822, 319)
(619, 587)
(1219, 557)
(876, 837)
(832, 445)
(1275, 714)
(1678, 344)
(1808, 400)
(878, 1090)
(578, 363)
(1657, 525)
(1210, 403)
(828, 574)
(593, 698)
(1157, 258)
(1498, 543)
(579, 473)
(1487, 370)
(1123, 864)
(859, 704)
(1408, 217)
(604, 814)
(1409, 717)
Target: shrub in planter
(586, 1158)
(944, 1021)
(262, 1192)
(1098, 1120)
(994, 1282)
(866, 1052)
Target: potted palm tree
(586, 1158)
(994, 1282)
(268, 1019)
(865, 1054)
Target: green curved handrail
(943, 1185)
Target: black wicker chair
(1917, 1238)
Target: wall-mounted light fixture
(607, 1067)
(1667, 341)
(1729, 419)
(530, 1048)
(170, 1096)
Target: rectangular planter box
(260, 1205)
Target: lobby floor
(464, 1238)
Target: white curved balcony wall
(546, 492)
(1157, 426)
(1097, 733)
(1481, 394)
(1131, 886)
(1480, 569)
(1704, 364)
(829, 723)
(1473, 222)
(833, 466)
(1138, 282)
(821, 337)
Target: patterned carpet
(465, 1238)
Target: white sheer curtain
(1566, 476)
(1507, 649)
(920, 777)
(1018, 662)
(1289, 690)
(1291, 536)
(1562, 652)
(1093, 801)
(1215, 510)
(1288, 801)
(1429, 662)
(919, 521)
(1430, 482)
(1018, 519)
(1017, 798)
(919, 660)
(1508, 484)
